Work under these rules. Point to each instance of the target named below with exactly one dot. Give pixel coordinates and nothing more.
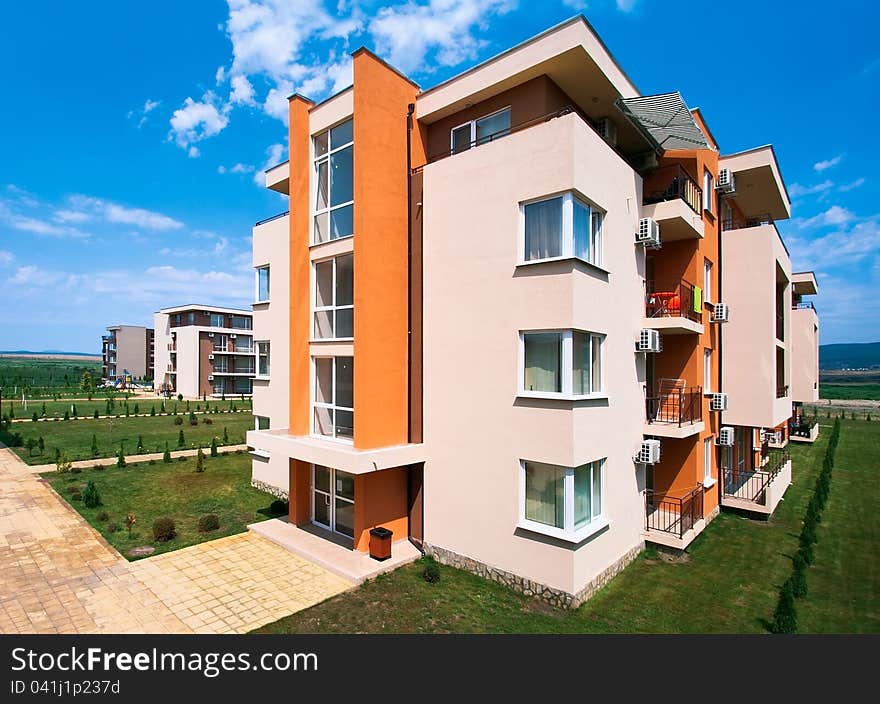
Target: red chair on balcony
(667, 303)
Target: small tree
(94, 445)
(95, 414)
(63, 464)
(31, 445)
(140, 445)
(799, 576)
(166, 456)
(225, 436)
(66, 415)
(152, 410)
(130, 520)
(214, 446)
(200, 461)
(57, 454)
(41, 445)
(43, 409)
(35, 417)
(126, 409)
(73, 410)
(120, 458)
(785, 616)
(136, 409)
(87, 384)
(90, 496)
(180, 397)
(180, 441)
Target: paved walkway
(58, 575)
(108, 461)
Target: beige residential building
(127, 352)
(804, 355)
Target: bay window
(334, 298)
(334, 397)
(334, 183)
(562, 501)
(561, 363)
(562, 226)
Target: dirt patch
(141, 551)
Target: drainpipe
(410, 109)
(720, 201)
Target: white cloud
(828, 163)
(850, 186)
(6, 258)
(26, 223)
(797, 189)
(835, 215)
(22, 196)
(274, 156)
(242, 91)
(197, 120)
(31, 275)
(221, 247)
(115, 213)
(625, 5)
(64, 215)
(149, 106)
(406, 34)
(193, 152)
(840, 247)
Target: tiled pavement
(58, 575)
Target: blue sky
(133, 135)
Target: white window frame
(257, 420)
(568, 532)
(332, 308)
(258, 269)
(331, 406)
(596, 235)
(473, 130)
(708, 453)
(707, 281)
(316, 161)
(707, 371)
(257, 355)
(566, 362)
(708, 191)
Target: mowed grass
(74, 437)
(45, 375)
(867, 392)
(728, 582)
(172, 490)
(843, 584)
(86, 409)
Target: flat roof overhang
(760, 190)
(278, 178)
(804, 283)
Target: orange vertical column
(381, 270)
(300, 217)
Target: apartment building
(204, 351)
(804, 355)
(506, 316)
(127, 350)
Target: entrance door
(333, 500)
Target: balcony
(673, 198)
(278, 178)
(804, 306)
(782, 391)
(674, 521)
(675, 310)
(757, 491)
(804, 430)
(172, 347)
(675, 412)
(733, 222)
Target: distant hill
(850, 355)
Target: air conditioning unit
(725, 437)
(649, 452)
(649, 341)
(721, 313)
(210, 377)
(232, 336)
(645, 161)
(210, 334)
(649, 233)
(607, 130)
(718, 402)
(726, 183)
(210, 356)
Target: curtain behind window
(545, 494)
(544, 229)
(543, 362)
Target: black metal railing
(673, 515)
(731, 221)
(782, 391)
(806, 305)
(677, 406)
(752, 485)
(803, 428)
(274, 217)
(675, 301)
(671, 182)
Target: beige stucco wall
(131, 350)
(476, 300)
(272, 323)
(749, 340)
(162, 356)
(804, 355)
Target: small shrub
(152, 462)
(166, 456)
(31, 445)
(208, 522)
(152, 410)
(35, 417)
(90, 496)
(785, 616)
(164, 529)
(200, 461)
(225, 436)
(63, 463)
(207, 421)
(181, 442)
(95, 414)
(130, 520)
(136, 409)
(431, 573)
(180, 397)
(74, 489)
(103, 516)
(213, 447)
(98, 467)
(120, 459)
(41, 444)
(66, 415)
(75, 470)
(181, 459)
(140, 445)
(94, 445)
(178, 420)
(279, 507)
(799, 576)
(112, 528)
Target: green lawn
(44, 375)
(74, 437)
(868, 392)
(85, 408)
(844, 582)
(175, 490)
(727, 583)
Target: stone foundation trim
(555, 597)
(269, 489)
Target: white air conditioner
(210, 334)
(726, 182)
(607, 130)
(649, 233)
(232, 336)
(649, 452)
(718, 402)
(210, 356)
(725, 437)
(649, 341)
(210, 377)
(721, 313)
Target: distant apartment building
(804, 355)
(539, 321)
(127, 349)
(204, 351)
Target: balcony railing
(671, 182)
(782, 391)
(172, 347)
(808, 305)
(675, 302)
(673, 515)
(734, 222)
(752, 485)
(274, 217)
(678, 406)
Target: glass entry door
(333, 500)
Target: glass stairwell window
(334, 298)
(334, 397)
(334, 183)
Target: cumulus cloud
(142, 113)
(242, 91)
(835, 215)
(90, 207)
(828, 163)
(852, 185)
(797, 189)
(6, 258)
(238, 168)
(274, 156)
(198, 120)
(12, 217)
